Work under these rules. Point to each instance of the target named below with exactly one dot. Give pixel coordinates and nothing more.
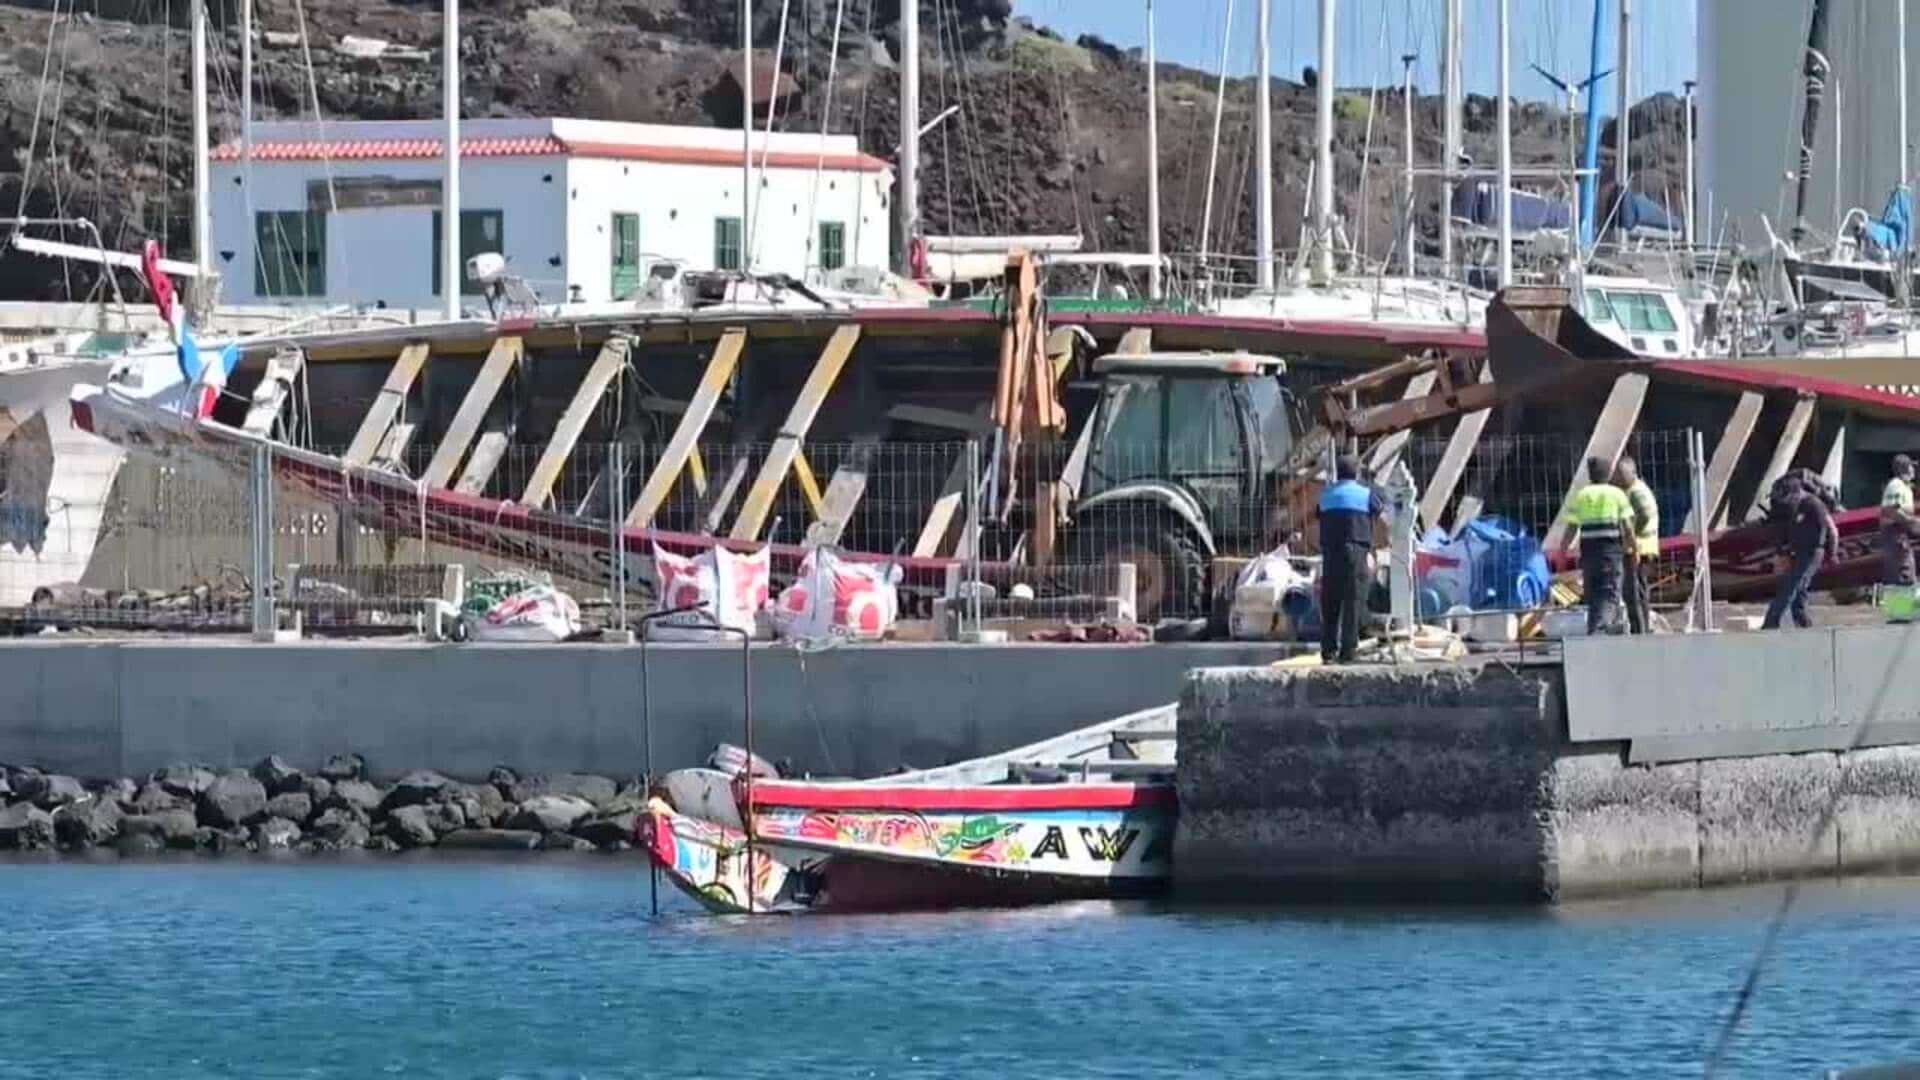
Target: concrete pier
(1485, 780)
(125, 708)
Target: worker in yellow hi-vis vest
(1645, 547)
(1605, 519)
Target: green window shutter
(625, 277)
(833, 245)
(726, 243)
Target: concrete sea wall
(112, 709)
(1459, 781)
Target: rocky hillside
(1050, 136)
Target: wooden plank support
(483, 461)
(1726, 458)
(1834, 472)
(607, 367)
(723, 499)
(946, 506)
(1791, 436)
(386, 406)
(844, 492)
(506, 352)
(786, 447)
(1388, 449)
(393, 449)
(275, 387)
(1453, 461)
(809, 484)
(686, 434)
(1608, 442)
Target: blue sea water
(545, 968)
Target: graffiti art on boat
(1073, 842)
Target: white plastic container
(1256, 614)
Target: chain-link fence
(169, 543)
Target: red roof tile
(538, 146)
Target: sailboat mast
(1590, 180)
(909, 126)
(1153, 162)
(1900, 21)
(1814, 68)
(202, 198)
(1623, 128)
(1687, 104)
(1323, 152)
(1263, 139)
(1406, 103)
(246, 91)
(746, 125)
(450, 276)
(1506, 154)
(1450, 129)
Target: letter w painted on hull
(1107, 846)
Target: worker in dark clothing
(1898, 525)
(1347, 511)
(1604, 517)
(1813, 539)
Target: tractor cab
(1183, 454)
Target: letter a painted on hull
(1054, 844)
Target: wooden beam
(1608, 442)
(1388, 449)
(276, 386)
(844, 492)
(393, 449)
(946, 506)
(607, 366)
(481, 464)
(1834, 472)
(1453, 461)
(493, 372)
(386, 406)
(1784, 452)
(1726, 458)
(809, 483)
(813, 393)
(720, 366)
(723, 498)
(975, 423)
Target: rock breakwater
(275, 807)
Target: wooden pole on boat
(909, 181)
(1263, 138)
(1322, 263)
(1623, 124)
(1450, 127)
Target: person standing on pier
(1348, 508)
(1897, 524)
(1812, 538)
(1604, 517)
(1646, 543)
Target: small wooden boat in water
(1089, 814)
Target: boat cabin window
(1598, 311)
(1641, 312)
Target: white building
(348, 212)
(1751, 91)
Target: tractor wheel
(1170, 573)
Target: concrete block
(1878, 816)
(1768, 817)
(1615, 828)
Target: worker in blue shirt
(1347, 512)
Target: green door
(626, 255)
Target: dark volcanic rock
(121, 791)
(154, 798)
(340, 828)
(597, 790)
(59, 791)
(6, 786)
(275, 834)
(408, 826)
(174, 828)
(444, 818)
(610, 830)
(221, 841)
(492, 840)
(277, 776)
(92, 823)
(232, 800)
(344, 767)
(28, 783)
(503, 779)
(481, 803)
(317, 788)
(357, 794)
(415, 789)
(133, 845)
(187, 780)
(25, 827)
(294, 806)
(549, 813)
